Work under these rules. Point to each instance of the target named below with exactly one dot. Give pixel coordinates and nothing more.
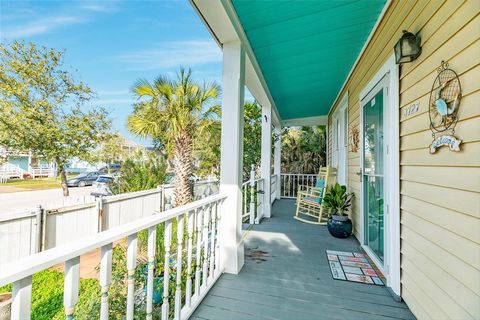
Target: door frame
(339, 114)
(391, 265)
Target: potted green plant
(337, 200)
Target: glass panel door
(373, 173)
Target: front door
(373, 173)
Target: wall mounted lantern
(407, 48)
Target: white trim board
(308, 121)
(391, 266)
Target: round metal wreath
(444, 101)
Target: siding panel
(440, 193)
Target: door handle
(359, 173)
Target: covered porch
(286, 275)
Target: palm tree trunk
(183, 163)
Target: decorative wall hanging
(354, 139)
(444, 102)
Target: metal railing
(192, 276)
(291, 182)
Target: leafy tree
(207, 151)
(111, 149)
(40, 106)
(174, 112)
(141, 172)
(303, 149)
(252, 137)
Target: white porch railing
(8, 171)
(290, 183)
(42, 172)
(252, 200)
(74, 218)
(273, 188)
(202, 243)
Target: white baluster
(218, 208)
(199, 223)
(70, 288)
(188, 289)
(152, 242)
(131, 265)
(21, 298)
(252, 195)
(211, 259)
(206, 218)
(178, 290)
(105, 278)
(166, 271)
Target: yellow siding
(440, 193)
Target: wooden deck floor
(291, 279)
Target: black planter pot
(339, 226)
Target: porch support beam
(231, 159)
(266, 159)
(277, 158)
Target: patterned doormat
(352, 266)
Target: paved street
(24, 200)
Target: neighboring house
(19, 165)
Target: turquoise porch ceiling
(306, 49)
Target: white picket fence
(28, 232)
(203, 263)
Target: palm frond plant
(175, 112)
(337, 200)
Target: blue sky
(110, 44)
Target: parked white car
(101, 187)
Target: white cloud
(173, 54)
(38, 26)
(106, 7)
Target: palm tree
(174, 113)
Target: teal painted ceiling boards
(306, 49)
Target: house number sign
(411, 109)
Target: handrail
(29, 265)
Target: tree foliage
(174, 113)
(40, 106)
(141, 172)
(303, 149)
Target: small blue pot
(340, 226)
(157, 290)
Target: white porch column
(266, 162)
(277, 159)
(231, 159)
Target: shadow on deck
(286, 276)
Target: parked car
(84, 179)
(112, 167)
(101, 187)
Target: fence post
(252, 195)
(38, 228)
(99, 210)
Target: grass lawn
(35, 184)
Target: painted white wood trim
(392, 169)
(231, 157)
(338, 113)
(307, 121)
(277, 160)
(266, 157)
